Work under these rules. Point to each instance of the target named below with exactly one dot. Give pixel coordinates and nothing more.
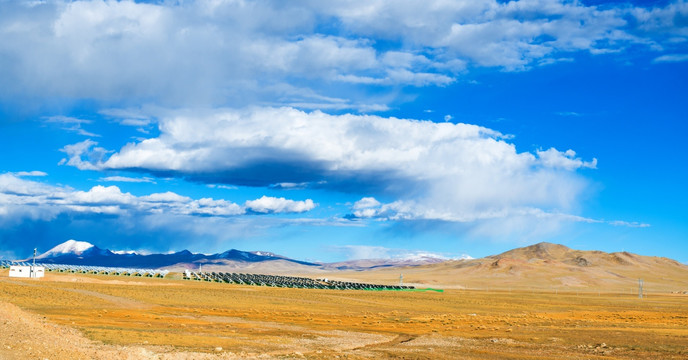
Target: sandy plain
(69, 316)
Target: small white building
(27, 271)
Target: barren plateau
(538, 302)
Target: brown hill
(542, 266)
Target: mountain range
(74, 252)
(543, 266)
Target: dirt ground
(67, 316)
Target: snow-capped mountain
(72, 248)
(74, 252)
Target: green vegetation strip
(390, 289)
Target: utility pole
(401, 279)
(32, 269)
(640, 288)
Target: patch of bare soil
(29, 336)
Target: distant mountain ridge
(74, 252)
(548, 252)
(545, 266)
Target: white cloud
(366, 202)
(166, 197)
(269, 205)
(290, 185)
(20, 198)
(220, 186)
(506, 223)
(434, 171)
(234, 52)
(128, 179)
(102, 195)
(511, 35)
(30, 173)
(628, 224)
(130, 117)
(188, 54)
(669, 19)
(87, 147)
(60, 119)
(211, 207)
(671, 58)
(71, 124)
(567, 160)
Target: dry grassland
(618, 272)
(154, 318)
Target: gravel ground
(28, 336)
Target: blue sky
(340, 130)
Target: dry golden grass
(251, 321)
(542, 267)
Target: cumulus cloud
(366, 203)
(101, 195)
(94, 154)
(432, 171)
(567, 159)
(101, 49)
(20, 198)
(211, 207)
(668, 20)
(291, 53)
(269, 205)
(166, 197)
(512, 35)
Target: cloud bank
(278, 53)
(20, 199)
(438, 171)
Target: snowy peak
(68, 247)
(264, 253)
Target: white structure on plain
(31, 271)
(27, 271)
